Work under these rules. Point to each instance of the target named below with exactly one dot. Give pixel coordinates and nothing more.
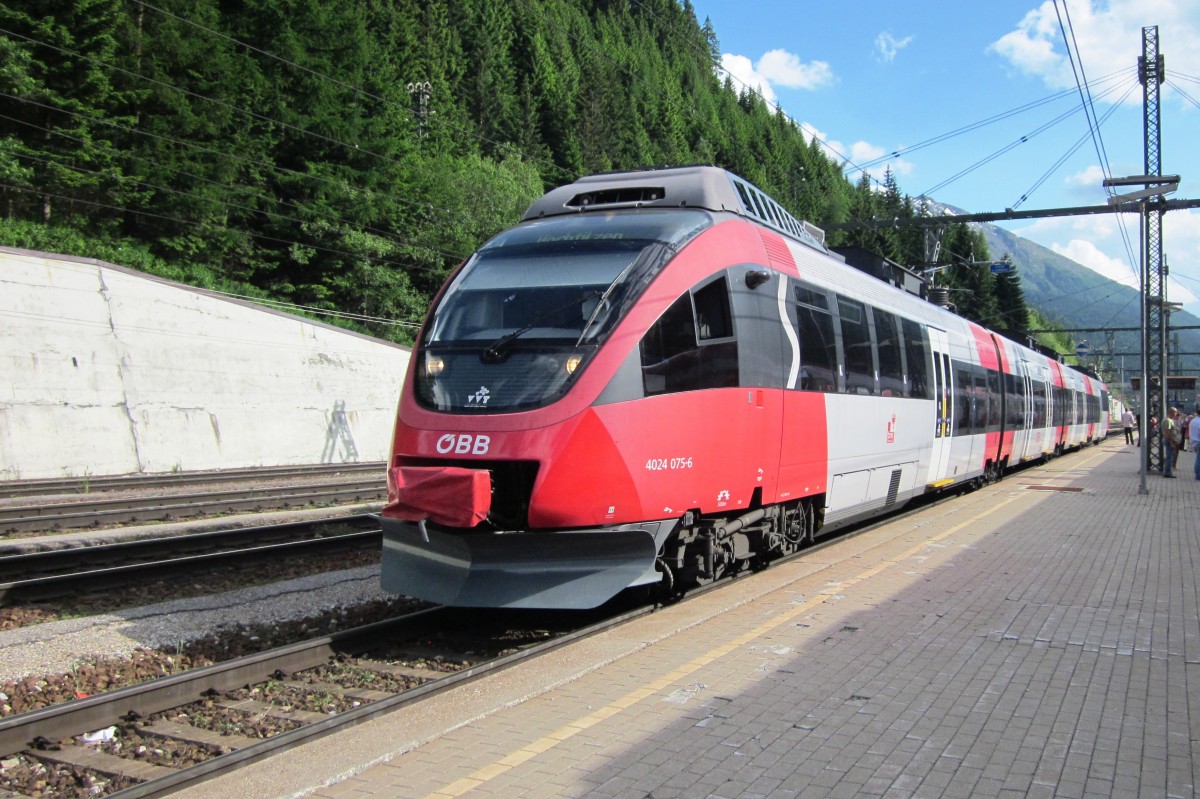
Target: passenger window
(941, 395)
(818, 347)
(916, 351)
(691, 346)
(995, 399)
(1014, 390)
(712, 311)
(856, 342)
(963, 400)
(891, 364)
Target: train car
(660, 377)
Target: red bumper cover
(447, 495)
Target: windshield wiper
(603, 300)
(496, 351)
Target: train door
(755, 414)
(1050, 423)
(943, 394)
(1031, 445)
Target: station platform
(1036, 638)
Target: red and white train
(661, 376)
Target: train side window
(669, 339)
(916, 352)
(818, 347)
(712, 311)
(995, 399)
(964, 395)
(941, 395)
(1039, 403)
(979, 413)
(948, 394)
(856, 343)
(1014, 389)
(691, 346)
(891, 358)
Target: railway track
(318, 687)
(89, 485)
(85, 511)
(34, 576)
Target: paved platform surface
(1036, 638)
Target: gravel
(56, 647)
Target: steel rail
(68, 583)
(140, 509)
(57, 559)
(88, 485)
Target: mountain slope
(1076, 297)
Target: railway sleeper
(84, 757)
(363, 695)
(253, 707)
(420, 674)
(171, 730)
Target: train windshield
(523, 317)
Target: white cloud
(835, 148)
(776, 68)
(1088, 181)
(1107, 35)
(860, 152)
(887, 46)
(1096, 242)
(786, 69)
(1085, 252)
(745, 76)
(1181, 237)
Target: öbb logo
(463, 444)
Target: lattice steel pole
(1151, 71)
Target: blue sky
(874, 78)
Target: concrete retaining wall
(104, 370)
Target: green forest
(342, 158)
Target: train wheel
(798, 528)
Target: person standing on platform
(1194, 435)
(1170, 437)
(1127, 423)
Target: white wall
(104, 370)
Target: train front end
(505, 487)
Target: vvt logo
(480, 397)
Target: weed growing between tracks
(96, 674)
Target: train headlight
(434, 365)
(573, 362)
